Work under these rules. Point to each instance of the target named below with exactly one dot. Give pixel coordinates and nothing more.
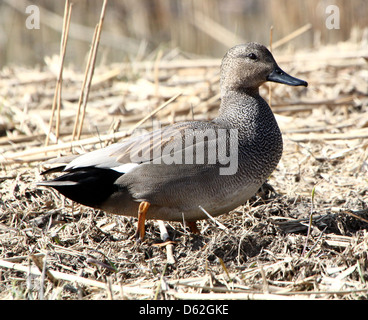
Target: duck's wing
(136, 150)
(171, 144)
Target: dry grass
(258, 254)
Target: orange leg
(192, 226)
(142, 211)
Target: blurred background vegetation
(134, 29)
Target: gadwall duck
(176, 172)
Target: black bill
(277, 75)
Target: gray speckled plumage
(176, 191)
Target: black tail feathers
(89, 186)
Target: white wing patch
(126, 167)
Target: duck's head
(247, 66)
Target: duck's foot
(142, 211)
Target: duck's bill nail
(277, 75)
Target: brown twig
(56, 105)
(89, 74)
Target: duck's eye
(252, 56)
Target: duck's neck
(227, 91)
(239, 105)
